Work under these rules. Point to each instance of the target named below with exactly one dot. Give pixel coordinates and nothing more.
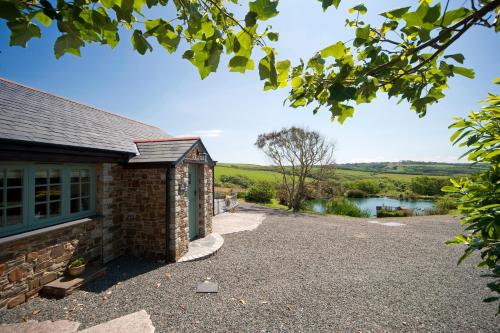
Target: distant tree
(427, 185)
(296, 151)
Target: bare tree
(296, 151)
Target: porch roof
(169, 150)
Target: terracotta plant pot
(75, 271)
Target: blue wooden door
(192, 201)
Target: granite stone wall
(28, 263)
(143, 210)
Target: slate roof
(30, 115)
(163, 150)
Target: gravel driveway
(297, 273)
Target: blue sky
(229, 110)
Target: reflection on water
(370, 204)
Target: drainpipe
(213, 187)
(167, 211)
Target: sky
(228, 110)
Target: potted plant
(76, 267)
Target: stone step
(137, 322)
(59, 326)
(64, 286)
(203, 248)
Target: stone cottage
(76, 181)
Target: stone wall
(28, 263)
(178, 228)
(143, 210)
(205, 200)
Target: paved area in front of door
(228, 223)
(225, 223)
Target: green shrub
(446, 203)
(428, 186)
(366, 185)
(394, 212)
(262, 192)
(238, 180)
(356, 194)
(436, 211)
(342, 206)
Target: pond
(370, 204)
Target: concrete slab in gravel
(228, 223)
(203, 247)
(387, 224)
(137, 322)
(207, 287)
(48, 326)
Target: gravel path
(297, 273)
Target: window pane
(75, 176)
(55, 208)
(14, 177)
(14, 196)
(14, 216)
(55, 176)
(1, 217)
(40, 193)
(75, 190)
(55, 192)
(75, 206)
(2, 175)
(41, 211)
(85, 204)
(84, 175)
(85, 189)
(41, 176)
(1, 197)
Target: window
(11, 197)
(48, 190)
(33, 195)
(80, 190)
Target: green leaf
(467, 72)
(238, 64)
(42, 18)
(433, 13)
(265, 9)
(283, 68)
(363, 32)
(67, 43)
(336, 50)
(396, 13)
(22, 32)
(140, 43)
(8, 11)
(250, 19)
(458, 57)
(453, 16)
(359, 8)
(413, 19)
(273, 36)
(328, 3)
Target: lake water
(370, 204)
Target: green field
(269, 173)
(252, 172)
(416, 168)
